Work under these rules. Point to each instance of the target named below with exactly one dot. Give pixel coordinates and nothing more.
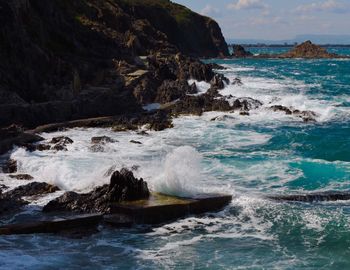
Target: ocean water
(249, 157)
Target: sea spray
(182, 173)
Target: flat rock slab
(53, 226)
(161, 208)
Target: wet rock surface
(123, 186)
(102, 140)
(306, 116)
(12, 201)
(10, 166)
(31, 189)
(314, 197)
(21, 176)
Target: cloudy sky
(275, 19)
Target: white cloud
(247, 4)
(328, 5)
(210, 11)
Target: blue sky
(275, 19)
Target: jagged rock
(307, 116)
(240, 52)
(21, 176)
(123, 187)
(10, 166)
(237, 81)
(102, 140)
(246, 104)
(218, 81)
(172, 90)
(61, 140)
(59, 147)
(276, 108)
(244, 113)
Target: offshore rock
(240, 52)
(123, 186)
(308, 50)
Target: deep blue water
(248, 156)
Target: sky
(275, 19)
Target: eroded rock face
(123, 186)
(10, 166)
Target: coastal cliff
(64, 60)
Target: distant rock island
(306, 50)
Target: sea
(250, 157)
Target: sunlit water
(246, 156)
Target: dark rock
(193, 88)
(37, 147)
(61, 140)
(59, 147)
(240, 52)
(143, 133)
(172, 90)
(307, 116)
(10, 166)
(70, 226)
(314, 197)
(102, 140)
(246, 104)
(123, 187)
(244, 113)
(135, 142)
(281, 108)
(218, 81)
(21, 176)
(237, 81)
(15, 136)
(31, 189)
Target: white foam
(202, 86)
(182, 173)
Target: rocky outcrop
(82, 62)
(12, 200)
(308, 50)
(12, 136)
(240, 52)
(307, 116)
(123, 186)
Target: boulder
(123, 186)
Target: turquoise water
(248, 156)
